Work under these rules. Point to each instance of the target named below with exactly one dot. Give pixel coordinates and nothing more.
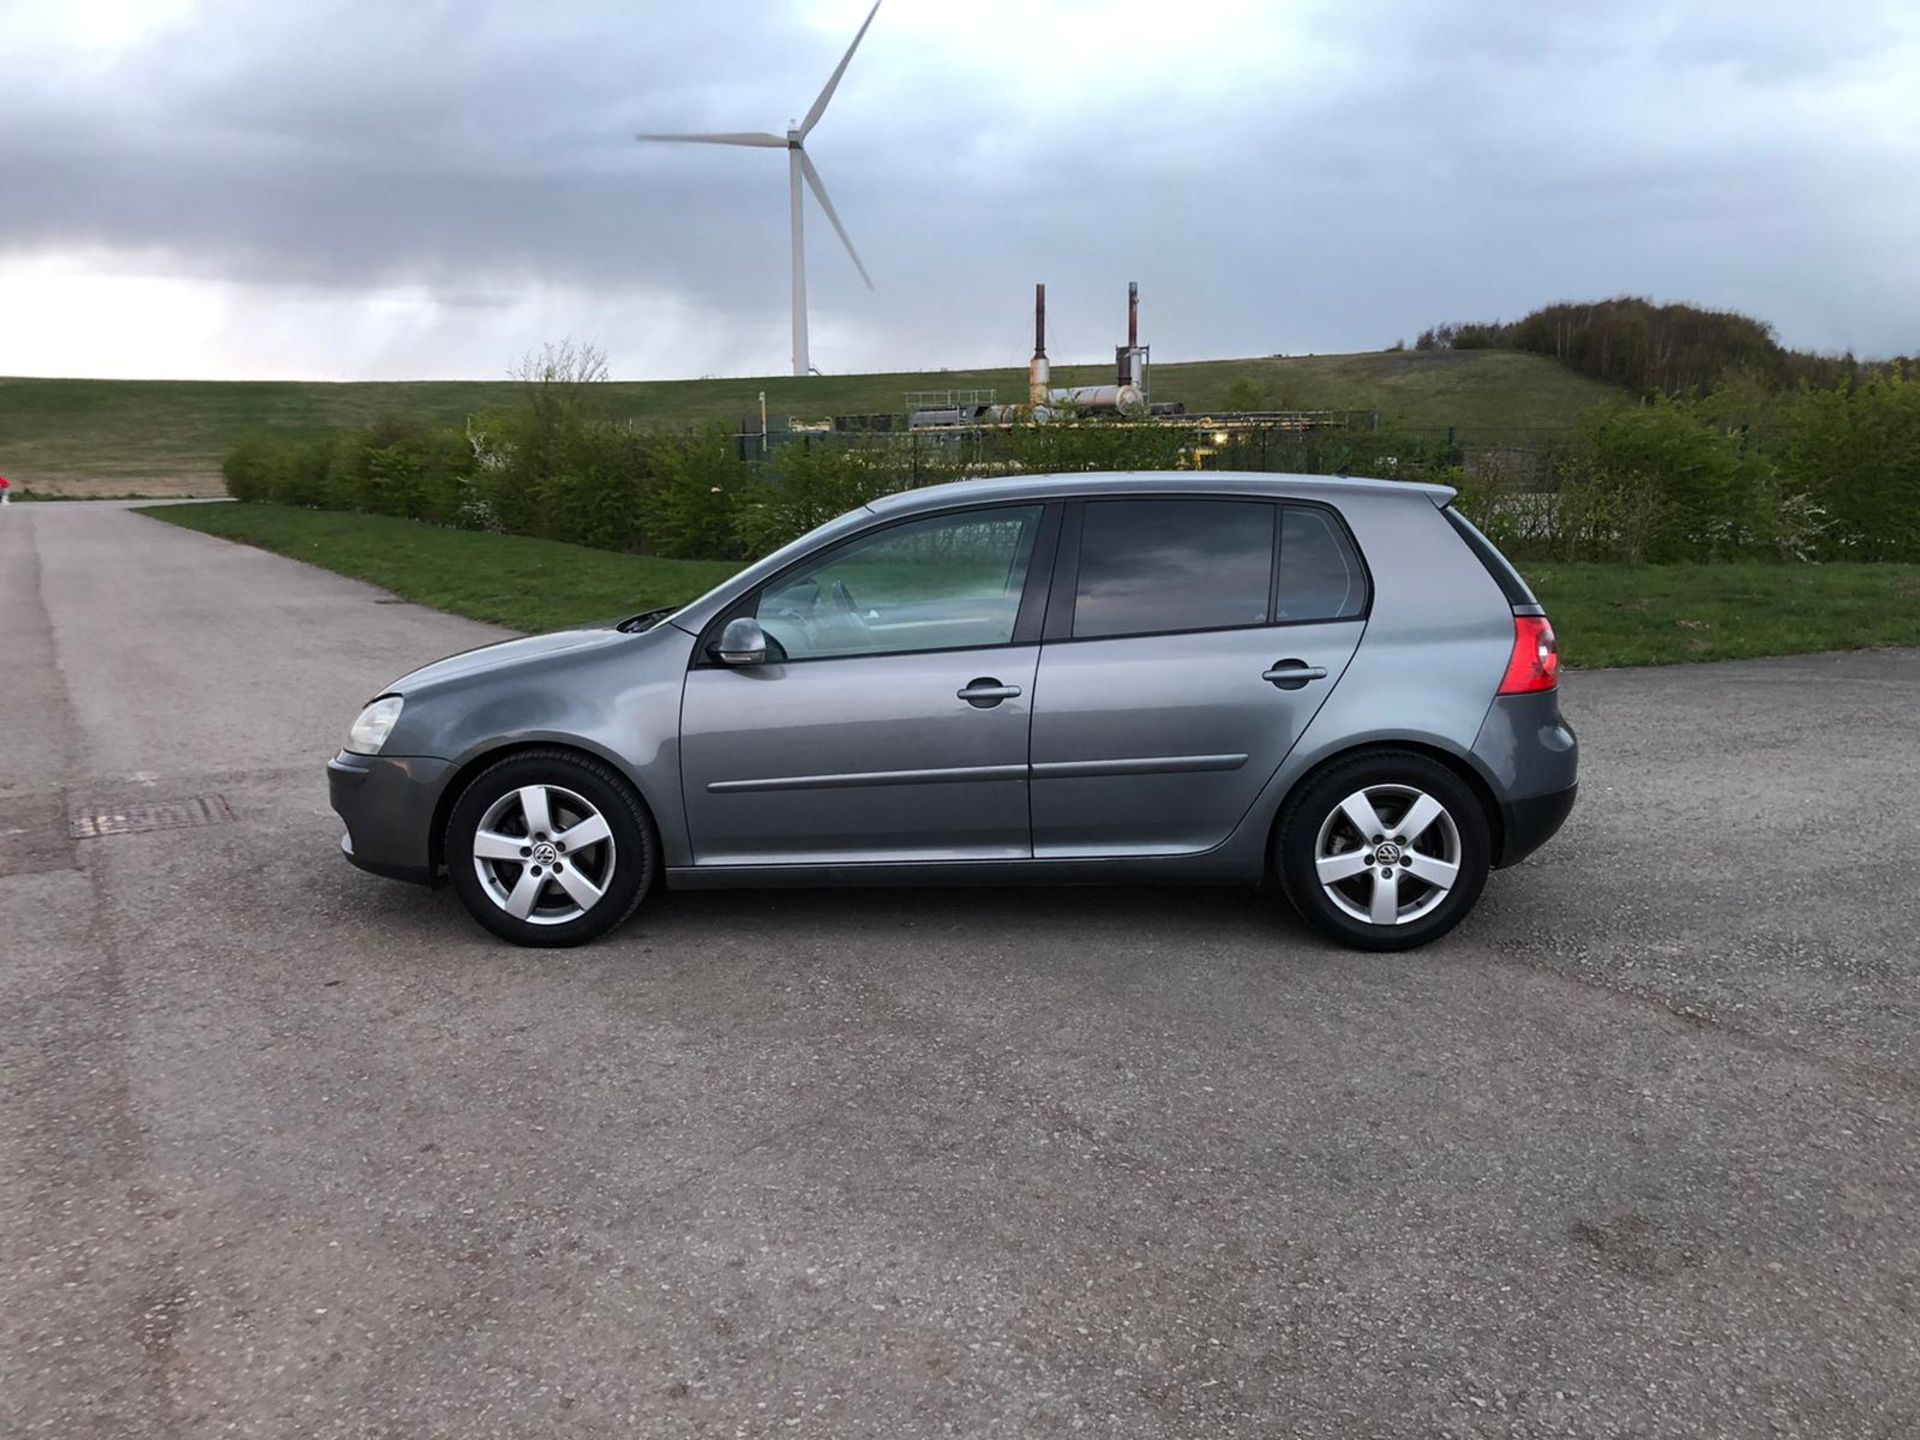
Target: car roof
(1151, 482)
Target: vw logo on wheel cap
(544, 853)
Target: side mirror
(743, 642)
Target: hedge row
(1748, 471)
(1813, 474)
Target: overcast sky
(365, 189)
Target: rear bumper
(1528, 824)
(388, 804)
(1531, 755)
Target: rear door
(1189, 641)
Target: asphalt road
(288, 1150)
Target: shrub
(1099, 445)
(300, 477)
(1855, 449)
(347, 485)
(694, 486)
(1505, 500)
(808, 482)
(594, 492)
(1658, 482)
(1789, 524)
(248, 468)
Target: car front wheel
(1384, 851)
(549, 848)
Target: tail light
(1535, 663)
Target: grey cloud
(1444, 161)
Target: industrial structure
(963, 422)
(1127, 396)
(1128, 400)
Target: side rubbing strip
(1142, 765)
(862, 778)
(1053, 770)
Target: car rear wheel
(549, 848)
(1384, 851)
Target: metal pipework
(1126, 399)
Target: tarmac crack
(1860, 1072)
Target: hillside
(1679, 349)
(167, 437)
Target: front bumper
(388, 803)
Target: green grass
(1605, 615)
(1664, 614)
(168, 436)
(505, 579)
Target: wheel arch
(473, 764)
(1461, 765)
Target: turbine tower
(799, 167)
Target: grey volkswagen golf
(1204, 678)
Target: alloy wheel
(544, 854)
(1388, 854)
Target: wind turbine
(799, 166)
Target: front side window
(949, 582)
(1151, 566)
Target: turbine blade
(820, 194)
(833, 80)
(739, 137)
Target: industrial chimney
(1130, 360)
(1039, 373)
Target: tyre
(1383, 851)
(550, 848)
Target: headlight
(376, 722)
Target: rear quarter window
(1519, 594)
(1320, 576)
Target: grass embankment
(167, 437)
(505, 579)
(1664, 614)
(1605, 615)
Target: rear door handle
(1292, 674)
(986, 692)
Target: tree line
(1668, 349)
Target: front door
(890, 720)
(1193, 641)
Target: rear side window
(1320, 576)
(1152, 566)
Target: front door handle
(1292, 674)
(986, 692)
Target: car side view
(1204, 678)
